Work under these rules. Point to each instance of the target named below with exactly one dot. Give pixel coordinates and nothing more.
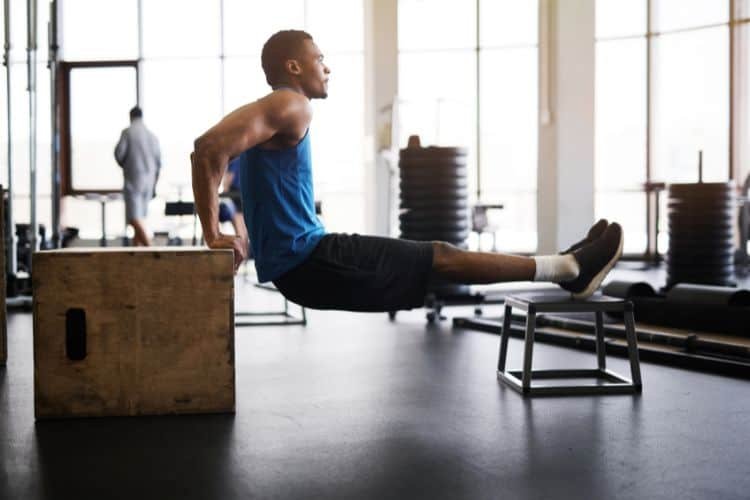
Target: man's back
(279, 206)
(139, 155)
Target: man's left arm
(157, 155)
(121, 150)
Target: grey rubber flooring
(354, 406)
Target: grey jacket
(138, 153)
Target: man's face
(314, 74)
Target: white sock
(556, 268)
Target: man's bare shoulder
(287, 104)
(280, 108)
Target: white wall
(381, 86)
(566, 131)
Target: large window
(20, 116)
(198, 61)
(620, 115)
(469, 78)
(662, 98)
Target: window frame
(738, 91)
(63, 97)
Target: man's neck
(284, 86)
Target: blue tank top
(279, 207)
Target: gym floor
(354, 406)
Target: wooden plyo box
(128, 331)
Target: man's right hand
(235, 243)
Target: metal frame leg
(635, 365)
(528, 350)
(287, 317)
(601, 356)
(103, 241)
(505, 334)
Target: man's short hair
(136, 112)
(281, 47)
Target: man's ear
(293, 67)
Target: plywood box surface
(133, 331)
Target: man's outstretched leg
(580, 271)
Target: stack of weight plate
(434, 197)
(701, 247)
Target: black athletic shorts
(361, 273)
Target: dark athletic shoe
(595, 260)
(593, 234)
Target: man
(271, 138)
(138, 154)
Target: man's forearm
(206, 179)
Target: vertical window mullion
(649, 85)
(732, 88)
(478, 138)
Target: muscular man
(271, 137)
(138, 153)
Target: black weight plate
(427, 163)
(428, 182)
(418, 175)
(415, 213)
(422, 191)
(701, 197)
(719, 201)
(700, 252)
(700, 239)
(425, 195)
(682, 247)
(435, 225)
(438, 183)
(700, 210)
(433, 151)
(707, 214)
(718, 236)
(704, 223)
(433, 202)
(687, 226)
(418, 203)
(430, 204)
(687, 230)
(428, 215)
(431, 169)
(700, 188)
(690, 251)
(704, 239)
